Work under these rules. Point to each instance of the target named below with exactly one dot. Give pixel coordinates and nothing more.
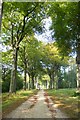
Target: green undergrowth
(13, 100)
(66, 100)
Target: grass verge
(12, 101)
(65, 100)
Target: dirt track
(37, 106)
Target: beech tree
(23, 61)
(19, 21)
(34, 50)
(66, 27)
(52, 61)
(30, 58)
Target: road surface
(37, 106)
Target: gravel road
(37, 106)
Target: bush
(76, 94)
(6, 82)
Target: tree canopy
(26, 54)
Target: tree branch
(22, 31)
(12, 35)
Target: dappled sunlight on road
(74, 97)
(38, 106)
(53, 107)
(41, 98)
(25, 110)
(67, 106)
(56, 105)
(34, 107)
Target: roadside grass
(65, 100)
(12, 101)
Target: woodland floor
(37, 106)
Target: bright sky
(45, 37)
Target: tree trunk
(53, 80)
(78, 77)
(32, 81)
(25, 69)
(36, 82)
(46, 84)
(29, 82)
(78, 67)
(78, 49)
(15, 49)
(25, 76)
(51, 83)
(56, 82)
(1, 12)
(4, 71)
(15, 69)
(14, 72)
